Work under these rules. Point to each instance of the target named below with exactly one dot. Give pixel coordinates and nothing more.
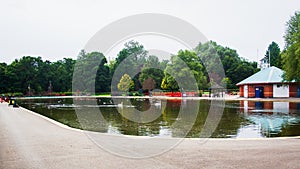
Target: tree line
(32, 74)
(95, 73)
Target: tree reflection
(171, 118)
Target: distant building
(268, 83)
(263, 64)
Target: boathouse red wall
(241, 91)
(293, 89)
(268, 89)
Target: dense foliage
(91, 72)
(32, 74)
(235, 68)
(184, 67)
(291, 53)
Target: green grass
(105, 94)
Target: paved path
(30, 141)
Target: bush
(17, 94)
(67, 93)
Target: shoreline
(226, 98)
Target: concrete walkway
(30, 141)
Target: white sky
(54, 29)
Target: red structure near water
(268, 83)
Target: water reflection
(172, 118)
(270, 119)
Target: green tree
(125, 83)
(235, 68)
(274, 52)
(210, 59)
(291, 53)
(130, 60)
(22, 73)
(62, 74)
(134, 53)
(69, 68)
(103, 77)
(88, 72)
(184, 67)
(43, 76)
(3, 77)
(152, 69)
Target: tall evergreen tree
(273, 53)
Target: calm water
(144, 117)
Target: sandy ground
(28, 140)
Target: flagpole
(269, 58)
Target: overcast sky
(54, 29)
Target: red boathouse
(268, 83)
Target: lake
(164, 118)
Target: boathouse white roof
(268, 75)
